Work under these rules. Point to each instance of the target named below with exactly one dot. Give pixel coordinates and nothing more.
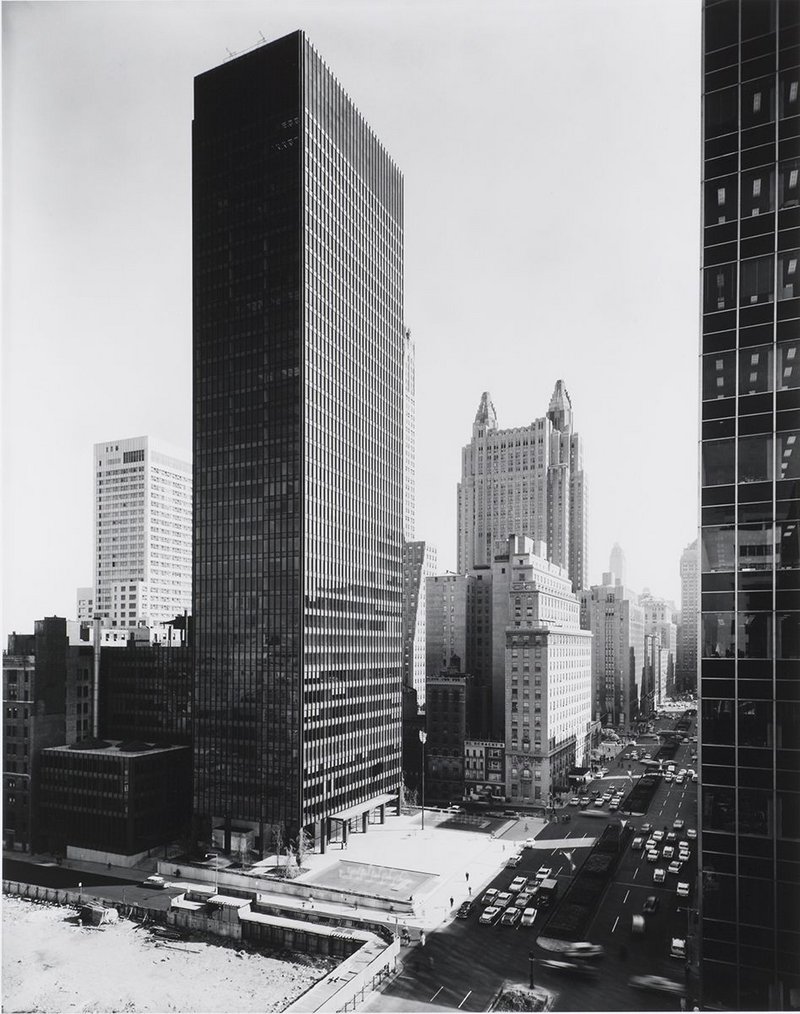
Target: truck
(548, 890)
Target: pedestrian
(451, 903)
(466, 877)
(469, 892)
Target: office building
(749, 930)
(447, 696)
(548, 675)
(84, 605)
(686, 660)
(659, 617)
(527, 481)
(299, 345)
(616, 564)
(613, 614)
(143, 532)
(485, 770)
(419, 563)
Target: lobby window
(719, 376)
(755, 458)
(757, 282)
(758, 192)
(788, 274)
(788, 188)
(788, 365)
(755, 370)
(719, 288)
(720, 201)
(718, 462)
(787, 455)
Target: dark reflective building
(750, 507)
(298, 430)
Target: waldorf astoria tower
(298, 452)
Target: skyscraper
(686, 666)
(298, 437)
(617, 564)
(750, 507)
(143, 531)
(419, 563)
(527, 481)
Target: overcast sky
(550, 151)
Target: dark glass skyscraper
(298, 449)
(749, 926)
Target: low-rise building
(485, 770)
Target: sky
(551, 159)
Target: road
(463, 965)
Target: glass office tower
(298, 443)
(749, 929)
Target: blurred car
(543, 873)
(646, 828)
(465, 909)
(659, 875)
(490, 915)
(155, 881)
(528, 916)
(517, 884)
(675, 867)
(568, 967)
(584, 950)
(652, 856)
(529, 843)
(574, 801)
(668, 776)
(668, 852)
(502, 899)
(683, 889)
(523, 899)
(680, 779)
(678, 824)
(691, 833)
(606, 797)
(656, 984)
(671, 837)
(490, 896)
(658, 835)
(677, 948)
(650, 904)
(514, 861)
(510, 917)
(614, 804)
(637, 844)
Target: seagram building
(298, 452)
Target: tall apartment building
(419, 563)
(548, 676)
(750, 507)
(613, 614)
(298, 451)
(525, 481)
(143, 532)
(686, 662)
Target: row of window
(757, 282)
(755, 190)
(760, 371)
(761, 457)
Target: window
(719, 288)
(722, 112)
(789, 104)
(758, 102)
(755, 458)
(718, 725)
(758, 192)
(757, 282)
(788, 365)
(787, 455)
(755, 635)
(788, 189)
(719, 376)
(788, 274)
(720, 201)
(787, 545)
(718, 635)
(718, 549)
(756, 547)
(755, 370)
(718, 462)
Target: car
(684, 857)
(659, 875)
(637, 844)
(683, 771)
(568, 967)
(652, 856)
(656, 984)
(614, 804)
(502, 899)
(517, 884)
(668, 852)
(671, 837)
(647, 756)
(680, 779)
(646, 828)
(155, 881)
(675, 866)
(529, 843)
(606, 797)
(668, 776)
(650, 844)
(528, 916)
(465, 909)
(490, 915)
(584, 950)
(658, 835)
(684, 845)
(677, 948)
(678, 824)
(544, 873)
(583, 800)
(523, 899)
(694, 776)
(574, 801)
(514, 861)
(510, 917)
(691, 833)
(650, 904)
(490, 896)
(683, 889)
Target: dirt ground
(52, 964)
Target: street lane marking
(615, 924)
(465, 999)
(635, 872)
(626, 897)
(438, 991)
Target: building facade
(143, 532)
(84, 605)
(485, 770)
(750, 507)
(525, 481)
(298, 449)
(686, 661)
(419, 563)
(660, 623)
(447, 696)
(613, 614)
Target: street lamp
(422, 737)
(530, 961)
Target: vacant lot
(52, 964)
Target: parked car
(652, 856)
(683, 889)
(543, 873)
(650, 905)
(510, 917)
(502, 899)
(584, 950)
(523, 899)
(517, 884)
(529, 843)
(528, 916)
(671, 837)
(691, 833)
(490, 915)
(675, 867)
(574, 801)
(677, 948)
(637, 844)
(490, 896)
(650, 844)
(659, 875)
(514, 861)
(668, 852)
(465, 909)
(155, 881)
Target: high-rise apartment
(750, 507)
(298, 451)
(686, 664)
(527, 481)
(143, 532)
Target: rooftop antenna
(261, 35)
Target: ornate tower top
(560, 411)
(486, 415)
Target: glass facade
(298, 423)
(749, 918)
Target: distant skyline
(551, 157)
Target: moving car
(677, 948)
(514, 861)
(502, 899)
(490, 915)
(668, 852)
(543, 873)
(656, 984)
(528, 916)
(680, 779)
(646, 828)
(659, 875)
(652, 856)
(490, 896)
(584, 950)
(675, 867)
(465, 909)
(678, 824)
(691, 833)
(683, 889)
(529, 843)
(568, 967)
(650, 904)
(517, 884)
(637, 844)
(658, 835)
(154, 881)
(637, 925)
(510, 917)
(574, 801)
(671, 837)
